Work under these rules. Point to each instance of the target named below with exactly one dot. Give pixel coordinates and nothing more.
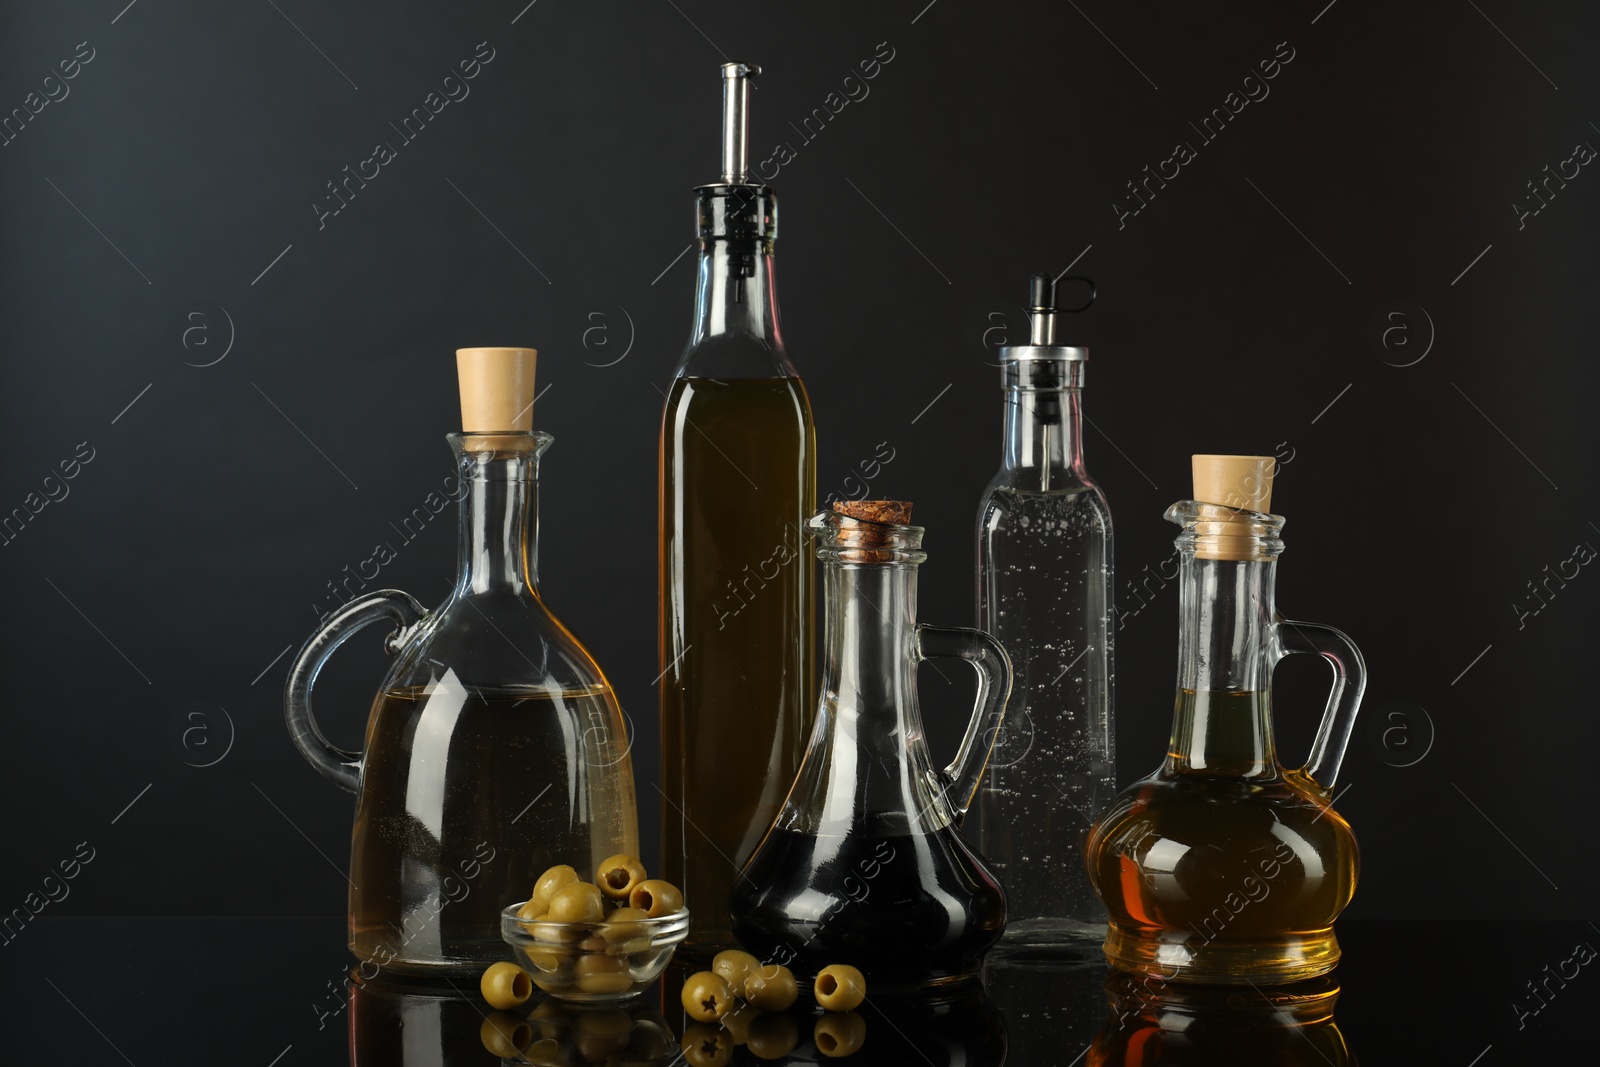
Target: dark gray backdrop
(1341, 277)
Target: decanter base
(1183, 956)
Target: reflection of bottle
(1223, 866)
(738, 478)
(863, 865)
(495, 747)
(1200, 1026)
(1044, 589)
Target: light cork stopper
(867, 539)
(897, 512)
(496, 389)
(1222, 485)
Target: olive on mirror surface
(771, 988)
(839, 987)
(602, 1033)
(505, 1035)
(839, 1035)
(734, 965)
(656, 898)
(737, 1021)
(505, 985)
(773, 1036)
(706, 996)
(617, 876)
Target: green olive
(840, 1035)
(617, 876)
(546, 960)
(576, 902)
(706, 1046)
(602, 974)
(505, 1035)
(548, 883)
(840, 987)
(735, 965)
(771, 988)
(772, 1037)
(706, 996)
(533, 912)
(623, 925)
(656, 898)
(505, 985)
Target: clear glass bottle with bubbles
(1045, 590)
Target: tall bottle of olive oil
(738, 481)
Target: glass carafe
(1224, 866)
(495, 747)
(1044, 590)
(864, 864)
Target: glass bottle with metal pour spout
(1044, 590)
(738, 480)
(1224, 866)
(495, 747)
(864, 865)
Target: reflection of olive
(602, 1033)
(656, 898)
(706, 996)
(551, 1017)
(617, 876)
(546, 1052)
(706, 1046)
(505, 985)
(840, 1035)
(650, 1042)
(771, 988)
(840, 987)
(737, 1023)
(773, 1037)
(734, 965)
(505, 1035)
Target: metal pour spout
(736, 121)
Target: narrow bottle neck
(1227, 647)
(736, 293)
(498, 542)
(869, 666)
(1044, 420)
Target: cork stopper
(1223, 486)
(897, 512)
(496, 389)
(872, 536)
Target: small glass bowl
(598, 962)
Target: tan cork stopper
(865, 540)
(897, 512)
(496, 389)
(1225, 483)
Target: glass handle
(341, 767)
(1349, 683)
(960, 780)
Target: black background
(164, 209)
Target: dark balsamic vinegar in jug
(863, 864)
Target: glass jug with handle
(1224, 866)
(495, 747)
(863, 864)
